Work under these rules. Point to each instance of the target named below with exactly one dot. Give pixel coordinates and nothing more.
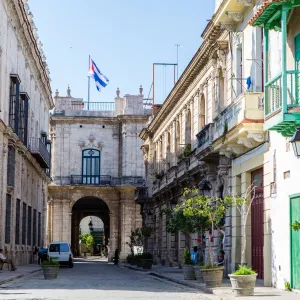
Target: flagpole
(89, 78)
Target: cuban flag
(100, 79)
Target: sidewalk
(220, 293)
(7, 275)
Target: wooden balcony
(282, 108)
(40, 152)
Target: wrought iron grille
(24, 224)
(14, 104)
(7, 219)
(34, 228)
(11, 166)
(23, 120)
(17, 228)
(29, 229)
(39, 229)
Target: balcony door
(91, 166)
(297, 67)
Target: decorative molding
(236, 16)
(228, 26)
(236, 149)
(257, 136)
(247, 142)
(246, 2)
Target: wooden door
(295, 243)
(257, 223)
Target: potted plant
(243, 281)
(146, 260)
(188, 268)
(138, 261)
(50, 269)
(214, 209)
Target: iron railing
(141, 194)
(106, 180)
(273, 92)
(95, 106)
(39, 150)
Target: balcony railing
(141, 194)
(106, 180)
(39, 150)
(205, 136)
(273, 92)
(94, 106)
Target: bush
(146, 255)
(187, 257)
(243, 270)
(129, 258)
(50, 262)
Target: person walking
(195, 256)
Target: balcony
(106, 180)
(282, 109)
(141, 195)
(205, 138)
(40, 152)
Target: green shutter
(295, 244)
(297, 48)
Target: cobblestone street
(96, 280)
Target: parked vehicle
(61, 252)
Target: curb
(18, 276)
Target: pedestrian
(8, 261)
(195, 256)
(116, 256)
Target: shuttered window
(24, 224)
(11, 166)
(17, 228)
(8, 219)
(29, 228)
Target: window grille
(24, 224)
(7, 219)
(11, 166)
(14, 104)
(34, 227)
(91, 166)
(39, 229)
(29, 228)
(23, 120)
(17, 228)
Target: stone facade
(25, 101)
(209, 121)
(102, 186)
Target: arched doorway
(88, 207)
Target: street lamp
(295, 141)
(91, 225)
(205, 187)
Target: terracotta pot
(243, 285)
(188, 272)
(50, 272)
(213, 277)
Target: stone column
(114, 229)
(58, 217)
(66, 230)
(173, 143)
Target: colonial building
(210, 127)
(280, 21)
(97, 165)
(25, 101)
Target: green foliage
(243, 270)
(89, 242)
(137, 237)
(187, 257)
(296, 226)
(287, 286)
(83, 237)
(50, 262)
(146, 231)
(145, 255)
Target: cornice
(24, 28)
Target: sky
(123, 37)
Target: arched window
(202, 112)
(90, 166)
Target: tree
(89, 242)
(83, 237)
(296, 226)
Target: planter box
(188, 272)
(198, 274)
(243, 285)
(50, 272)
(146, 264)
(213, 277)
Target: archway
(88, 207)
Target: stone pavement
(91, 279)
(221, 293)
(7, 275)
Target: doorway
(257, 222)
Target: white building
(25, 101)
